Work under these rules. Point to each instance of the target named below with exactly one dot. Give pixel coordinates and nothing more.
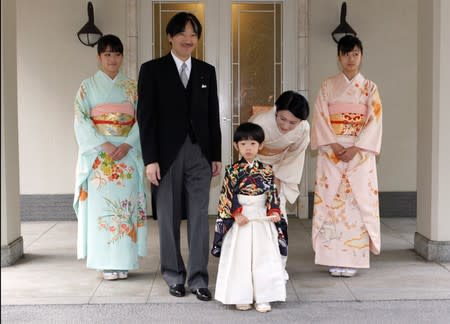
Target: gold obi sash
(270, 151)
(347, 119)
(113, 119)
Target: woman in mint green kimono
(109, 194)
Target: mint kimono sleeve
(88, 139)
(85, 132)
(133, 137)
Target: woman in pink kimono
(346, 131)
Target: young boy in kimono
(250, 267)
(346, 131)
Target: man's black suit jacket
(164, 115)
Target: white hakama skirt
(250, 267)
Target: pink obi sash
(113, 119)
(347, 118)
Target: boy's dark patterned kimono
(243, 179)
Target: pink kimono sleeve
(370, 137)
(321, 132)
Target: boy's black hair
(347, 44)
(111, 41)
(178, 22)
(294, 102)
(249, 131)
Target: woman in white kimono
(109, 194)
(286, 139)
(346, 130)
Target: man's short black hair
(293, 102)
(113, 42)
(347, 44)
(249, 131)
(178, 22)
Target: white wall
(388, 30)
(51, 64)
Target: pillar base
(432, 250)
(12, 252)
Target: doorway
(254, 46)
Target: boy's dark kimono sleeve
(228, 207)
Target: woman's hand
(108, 148)
(241, 219)
(338, 149)
(349, 153)
(120, 151)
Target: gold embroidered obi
(270, 151)
(113, 119)
(347, 119)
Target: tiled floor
(50, 273)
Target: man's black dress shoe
(177, 290)
(202, 293)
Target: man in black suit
(178, 117)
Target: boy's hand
(241, 219)
(277, 183)
(275, 217)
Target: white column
(432, 239)
(12, 242)
(131, 41)
(303, 78)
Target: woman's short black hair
(294, 102)
(249, 131)
(178, 22)
(347, 44)
(111, 41)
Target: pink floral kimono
(346, 221)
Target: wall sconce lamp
(89, 34)
(344, 28)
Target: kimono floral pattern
(107, 170)
(109, 198)
(244, 179)
(80, 112)
(346, 224)
(124, 217)
(130, 89)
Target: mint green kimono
(109, 195)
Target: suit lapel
(173, 73)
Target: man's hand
(216, 166)
(241, 219)
(120, 151)
(153, 173)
